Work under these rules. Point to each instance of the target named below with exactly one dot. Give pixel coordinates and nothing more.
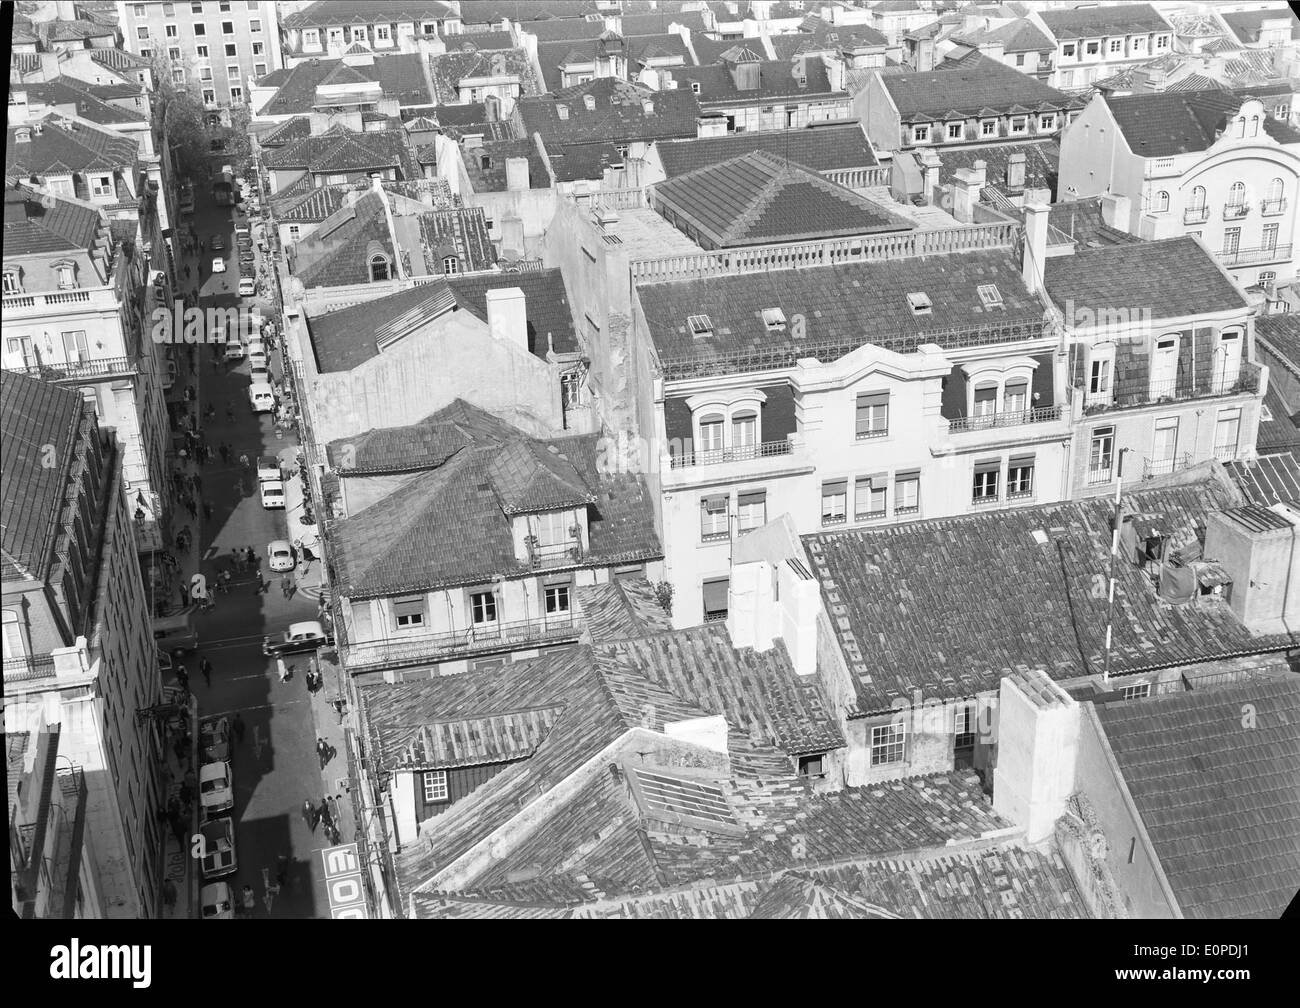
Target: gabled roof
(1095, 22)
(1017, 36)
(62, 150)
(345, 339)
(776, 79)
(287, 132)
(1268, 479)
(1005, 600)
(1172, 278)
(820, 148)
(449, 69)
(1161, 125)
(38, 422)
(65, 91)
(1246, 25)
(450, 525)
(1219, 803)
(618, 114)
(492, 177)
(659, 21)
(342, 150)
(36, 223)
(336, 12)
(758, 197)
(1082, 223)
(475, 12)
(622, 608)
(78, 30)
(975, 84)
(119, 59)
(399, 75)
(1042, 163)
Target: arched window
(378, 268)
(1198, 198)
(1162, 202)
(744, 429)
(450, 265)
(1237, 195)
(1275, 189)
(711, 432)
(1254, 125)
(1241, 126)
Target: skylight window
(990, 296)
(774, 319)
(919, 302)
(700, 326)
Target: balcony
(1272, 207)
(1153, 468)
(91, 370)
(446, 646)
(554, 555)
(1045, 414)
(81, 299)
(742, 453)
(1235, 211)
(1131, 393)
(1263, 254)
(1099, 475)
(28, 667)
(1196, 215)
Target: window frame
(481, 603)
(877, 487)
(411, 619)
(716, 615)
(715, 517)
(1020, 477)
(433, 781)
(885, 740)
(876, 405)
(830, 493)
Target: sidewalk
(335, 783)
(179, 866)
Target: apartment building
(215, 47)
(331, 28)
(76, 297)
(1096, 42)
(78, 648)
(1211, 164)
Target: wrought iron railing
(79, 370)
(496, 636)
(555, 554)
(1235, 211)
(1272, 207)
(740, 453)
(1151, 468)
(1196, 215)
(1142, 392)
(29, 667)
(1042, 414)
(1261, 253)
(1100, 474)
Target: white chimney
(1038, 741)
(707, 732)
(1034, 254)
(711, 126)
(968, 184)
(930, 166)
(517, 177)
(1116, 210)
(508, 316)
(1260, 550)
(775, 601)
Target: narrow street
(275, 767)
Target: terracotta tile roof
(34, 416)
(1268, 479)
(287, 132)
(400, 76)
(1042, 160)
(1093, 22)
(345, 339)
(969, 87)
(63, 150)
(759, 197)
(80, 30)
(833, 36)
(1196, 82)
(1246, 25)
(524, 12)
(418, 446)
(659, 21)
(1016, 37)
(621, 608)
(119, 59)
(1280, 430)
(618, 114)
(1281, 337)
(499, 738)
(31, 228)
(877, 311)
(478, 41)
(974, 598)
(1161, 125)
(450, 525)
(342, 150)
(498, 152)
(1220, 803)
(820, 148)
(1172, 278)
(449, 69)
(341, 12)
(776, 80)
(63, 92)
(1082, 222)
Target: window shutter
(753, 497)
(1020, 460)
(715, 503)
(362, 626)
(836, 487)
(990, 465)
(715, 595)
(910, 474)
(408, 606)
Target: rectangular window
(715, 599)
(382, 33)
(1140, 691)
(75, 349)
(1020, 477)
(988, 127)
(834, 499)
(138, 10)
(552, 527)
(209, 95)
(1231, 241)
(101, 185)
(232, 50)
(257, 48)
(1019, 124)
(964, 729)
(409, 612)
(1269, 243)
(907, 493)
(200, 30)
(196, 8)
(201, 51)
(435, 785)
(1015, 397)
(1020, 59)
(1093, 48)
(751, 509)
(813, 767)
(142, 33)
(985, 486)
(174, 53)
(254, 25)
(1227, 431)
(1101, 451)
(1067, 49)
(920, 134)
(887, 744)
(986, 399)
(1099, 379)
(556, 597)
(483, 608)
(170, 31)
(236, 94)
(205, 73)
(1116, 45)
(869, 497)
(872, 414)
(955, 130)
(1046, 123)
(259, 69)
(713, 518)
(227, 27)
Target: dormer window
(990, 296)
(919, 302)
(589, 102)
(67, 274)
(311, 38)
(13, 283)
(700, 326)
(921, 134)
(562, 111)
(101, 185)
(774, 319)
(379, 267)
(695, 87)
(450, 265)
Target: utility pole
(1114, 555)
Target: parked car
(262, 396)
(256, 345)
(217, 243)
(218, 847)
(242, 234)
(214, 740)
(216, 793)
(218, 265)
(268, 468)
(217, 902)
(259, 373)
(247, 286)
(298, 638)
(234, 348)
(175, 634)
(272, 494)
(281, 555)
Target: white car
(217, 901)
(281, 554)
(256, 347)
(247, 286)
(218, 847)
(218, 265)
(272, 494)
(268, 468)
(215, 791)
(234, 348)
(298, 638)
(259, 373)
(262, 396)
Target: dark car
(217, 243)
(298, 638)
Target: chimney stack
(1260, 549)
(711, 126)
(517, 175)
(1116, 211)
(1038, 743)
(508, 316)
(774, 601)
(1016, 170)
(1034, 254)
(929, 163)
(966, 191)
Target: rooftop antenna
(1114, 554)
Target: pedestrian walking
(322, 750)
(325, 816)
(285, 670)
(250, 900)
(260, 582)
(224, 579)
(243, 459)
(205, 667)
(238, 728)
(183, 676)
(309, 814)
(169, 895)
(224, 450)
(286, 586)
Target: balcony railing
(443, 646)
(1196, 215)
(741, 453)
(29, 667)
(1152, 468)
(1264, 253)
(858, 178)
(1097, 475)
(1043, 414)
(108, 367)
(1272, 207)
(1142, 392)
(1235, 211)
(555, 554)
